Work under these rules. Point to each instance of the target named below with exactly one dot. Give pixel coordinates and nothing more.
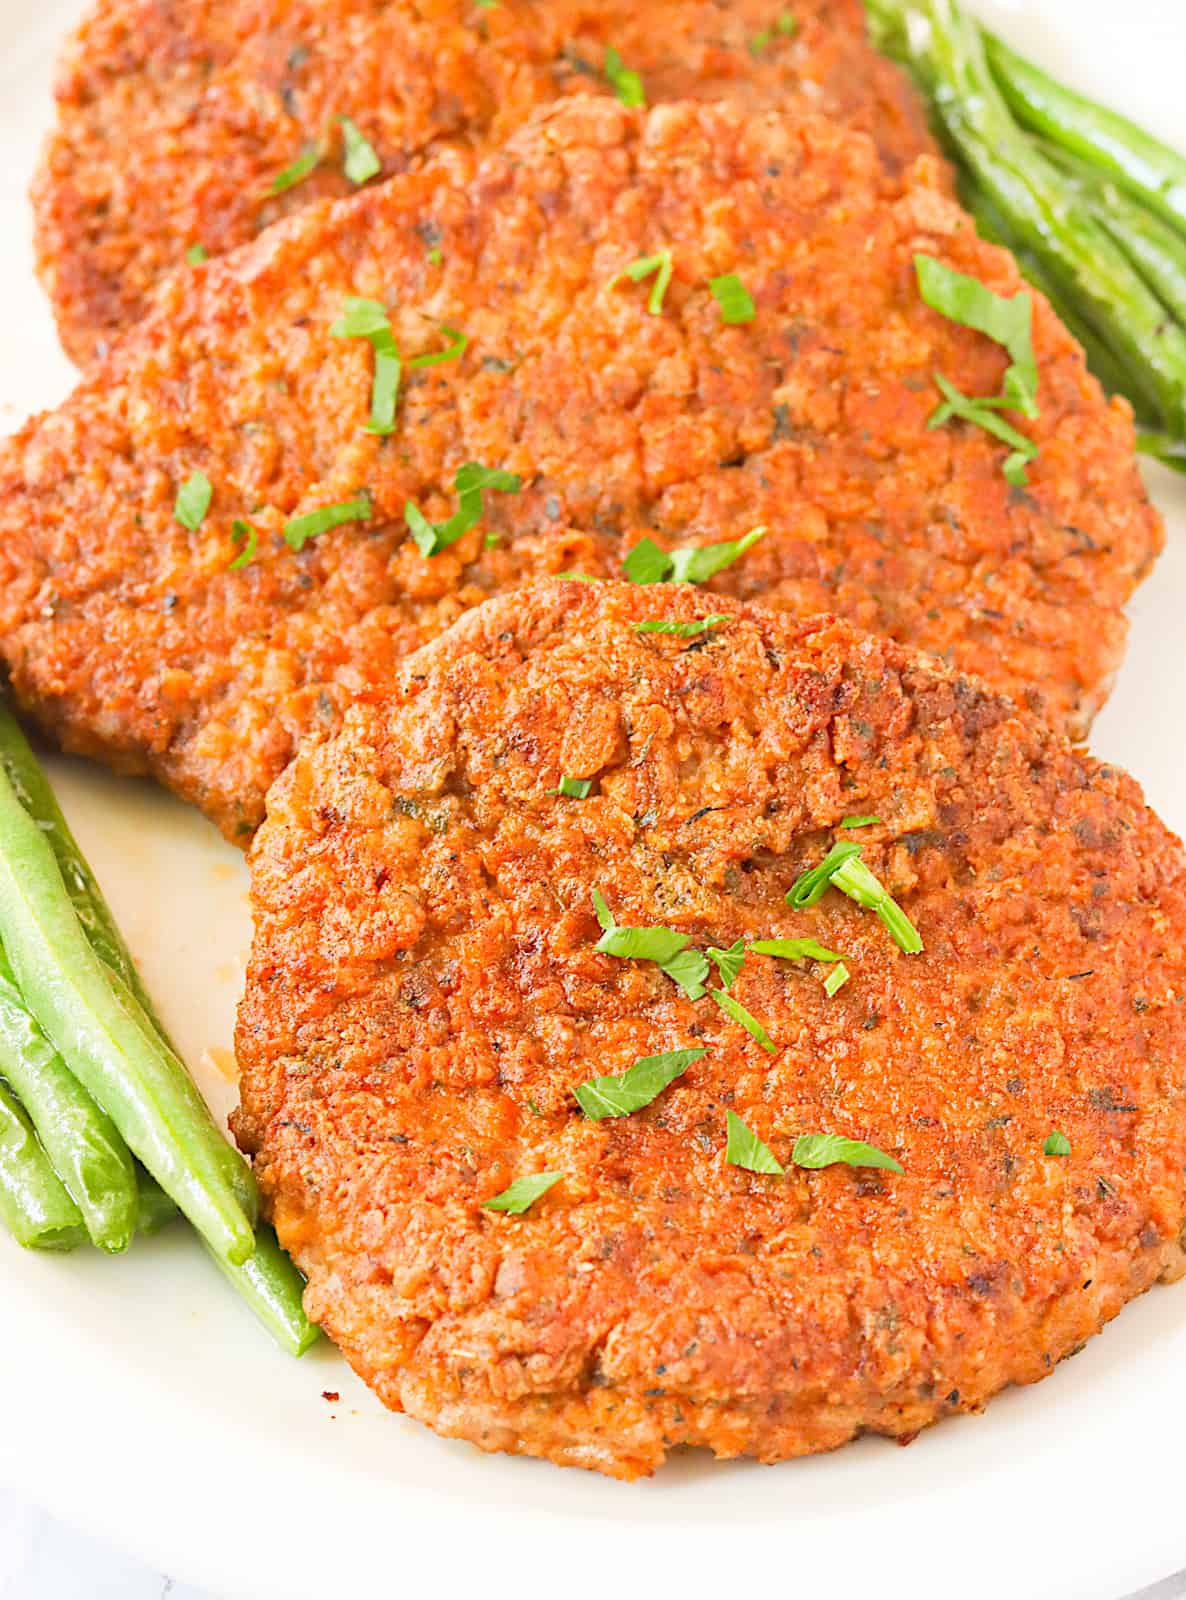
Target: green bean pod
(34, 1205)
(143, 1087)
(1148, 169)
(272, 1287)
(156, 1209)
(81, 1141)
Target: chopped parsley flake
(744, 1149)
(523, 1193)
(810, 886)
(785, 25)
(667, 949)
(815, 1150)
(453, 351)
(193, 501)
(435, 256)
(858, 822)
(750, 1023)
(196, 254)
(627, 85)
(728, 962)
(300, 168)
(1057, 1144)
(733, 297)
(299, 530)
(795, 950)
(241, 531)
(361, 162)
(574, 788)
(368, 319)
(605, 916)
(659, 266)
(471, 483)
(854, 879)
(836, 979)
(647, 563)
(632, 1090)
(681, 630)
(983, 414)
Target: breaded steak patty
(425, 995)
(150, 644)
(176, 116)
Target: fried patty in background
(175, 116)
(131, 639)
(424, 995)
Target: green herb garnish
(361, 162)
(749, 1022)
(743, 1148)
(193, 501)
(435, 256)
(1057, 1144)
(471, 483)
(647, 563)
(605, 916)
(785, 25)
(815, 1150)
(690, 970)
(854, 879)
(635, 1088)
(368, 319)
(733, 297)
(667, 949)
(523, 1193)
(196, 254)
(681, 630)
(300, 168)
(299, 530)
(453, 351)
(627, 85)
(728, 962)
(574, 788)
(795, 950)
(810, 886)
(858, 822)
(659, 266)
(240, 531)
(836, 979)
(983, 414)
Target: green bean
(34, 1205)
(80, 1140)
(155, 1210)
(272, 1287)
(94, 1020)
(1112, 144)
(98, 923)
(947, 57)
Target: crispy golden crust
(174, 116)
(130, 638)
(424, 995)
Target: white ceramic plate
(141, 1401)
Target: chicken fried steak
(176, 119)
(426, 996)
(201, 647)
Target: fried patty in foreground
(174, 118)
(424, 996)
(136, 640)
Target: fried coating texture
(132, 639)
(424, 995)
(175, 116)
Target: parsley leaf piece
(471, 483)
(787, 24)
(299, 530)
(646, 563)
(361, 162)
(744, 1149)
(854, 879)
(368, 319)
(435, 256)
(983, 414)
(795, 950)
(681, 630)
(578, 577)
(1006, 320)
(453, 351)
(836, 979)
(627, 85)
(659, 266)
(360, 319)
(574, 788)
(809, 886)
(604, 915)
(632, 1090)
(196, 254)
(521, 1195)
(728, 962)
(193, 501)
(696, 564)
(300, 168)
(1057, 1144)
(733, 297)
(858, 822)
(656, 944)
(689, 969)
(815, 1150)
(239, 531)
(759, 42)
(739, 1014)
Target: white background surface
(142, 1404)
